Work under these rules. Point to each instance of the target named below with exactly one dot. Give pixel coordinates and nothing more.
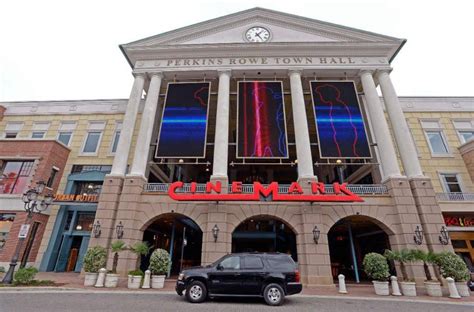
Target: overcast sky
(65, 50)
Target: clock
(257, 34)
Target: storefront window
(6, 221)
(14, 176)
(88, 188)
(85, 220)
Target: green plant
(25, 276)
(401, 256)
(136, 273)
(159, 262)
(451, 265)
(376, 266)
(140, 249)
(2, 269)
(427, 257)
(117, 247)
(95, 259)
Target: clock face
(257, 34)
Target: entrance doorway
(350, 240)
(264, 234)
(177, 234)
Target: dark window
(86, 168)
(92, 142)
(14, 176)
(116, 140)
(11, 135)
(252, 262)
(231, 263)
(64, 137)
(88, 188)
(52, 177)
(459, 244)
(472, 244)
(84, 222)
(281, 263)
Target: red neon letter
(295, 188)
(317, 188)
(260, 189)
(193, 187)
(236, 187)
(211, 187)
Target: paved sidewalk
(74, 281)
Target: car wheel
(273, 294)
(196, 292)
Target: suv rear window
(253, 262)
(281, 263)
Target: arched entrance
(177, 234)
(264, 234)
(350, 239)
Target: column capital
(157, 74)
(298, 71)
(379, 72)
(366, 71)
(224, 71)
(139, 74)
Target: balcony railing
(361, 189)
(455, 196)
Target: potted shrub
(159, 264)
(94, 260)
(433, 287)
(112, 278)
(451, 265)
(376, 267)
(403, 256)
(135, 276)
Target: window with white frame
(451, 182)
(465, 130)
(435, 137)
(39, 130)
(12, 129)
(116, 138)
(92, 140)
(65, 132)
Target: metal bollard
(146, 280)
(342, 284)
(453, 291)
(395, 288)
(101, 278)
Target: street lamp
(96, 229)
(119, 230)
(444, 237)
(418, 238)
(215, 232)
(340, 171)
(316, 234)
(33, 201)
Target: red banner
(459, 221)
(295, 192)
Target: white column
(119, 166)
(142, 149)
(221, 139)
(402, 134)
(388, 157)
(303, 146)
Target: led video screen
(261, 120)
(339, 122)
(184, 121)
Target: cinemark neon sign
(213, 192)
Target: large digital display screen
(339, 122)
(261, 120)
(184, 121)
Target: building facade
(411, 165)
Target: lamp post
(34, 202)
(316, 234)
(340, 171)
(418, 237)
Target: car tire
(196, 292)
(274, 294)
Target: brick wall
(8, 250)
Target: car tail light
(297, 276)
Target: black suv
(269, 275)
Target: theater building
(264, 131)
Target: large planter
(433, 289)
(381, 288)
(157, 281)
(111, 280)
(90, 279)
(134, 281)
(408, 289)
(463, 290)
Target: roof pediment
(285, 29)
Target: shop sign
(24, 231)
(213, 192)
(76, 198)
(462, 221)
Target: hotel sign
(76, 198)
(456, 220)
(213, 192)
